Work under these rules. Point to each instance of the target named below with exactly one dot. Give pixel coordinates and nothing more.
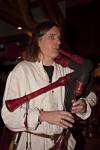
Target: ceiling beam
(11, 16)
(51, 10)
(17, 17)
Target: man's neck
(47, 61)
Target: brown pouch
(62, 141)
(12, 145)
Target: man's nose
(58, 41)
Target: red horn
(15, 103)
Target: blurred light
(97, 71)
(19, 28)
(2, 46)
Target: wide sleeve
(15, 88)
(91, 100)
(87, 113)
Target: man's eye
(51, 36)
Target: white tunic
(25, 78)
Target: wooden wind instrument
(15, 103)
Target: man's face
(49, 43)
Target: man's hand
(60, 118)
(79, 106)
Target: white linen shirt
(26, 78)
